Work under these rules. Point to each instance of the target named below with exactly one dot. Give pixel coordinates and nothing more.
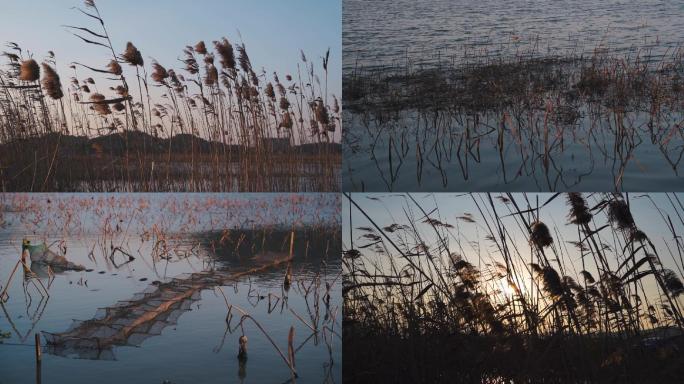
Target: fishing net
(128, 322)
(147, 313)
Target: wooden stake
(292, 234)
(38, 359)
(39, 355)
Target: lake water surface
(192, 249)
(381, 32)
(515, 96)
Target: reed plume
(540, 235)
(159, 73)
(620, 215)
(51, 83)
(201, 48)
(99, 104)
(114, 68)
(673, 283)
(552, 282)
(287, 121)
(270, 93)
(579, 212)
(245, 63)
(132, 55)
(212, 75)
(29, 70)
(225, 51)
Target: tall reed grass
(425, 301)
(218, 123)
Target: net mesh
(146, 314)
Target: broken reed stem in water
(290, 351)
(302, 320)
(4, 296)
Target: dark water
(191, 343)
(384, 32)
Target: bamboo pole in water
(288, 273)
(292, 235)
(39, 357)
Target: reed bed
(500, 294)
(217, 123)
(529, 108)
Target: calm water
(581, 157)
(405, 143)
(189, 343)
(383, 32)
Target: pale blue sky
(274, 31)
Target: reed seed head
(620, 215)
(121, 91)
(209, 59)
(29, 70)
(281, 89)
(552, 282)
(638, 236)
(673, 283)
(99, 104)
(245, 63)
(114, 68)
(287, 121)
(212, 75)
(588, 277)
(51, 83)
(253, 78)
(201, 48)
(579, 212)
(322, 113)
(132, 55)
(225, 51)
(270, 93)
(540, 236)
(159, 73)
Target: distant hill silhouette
(118, 143)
